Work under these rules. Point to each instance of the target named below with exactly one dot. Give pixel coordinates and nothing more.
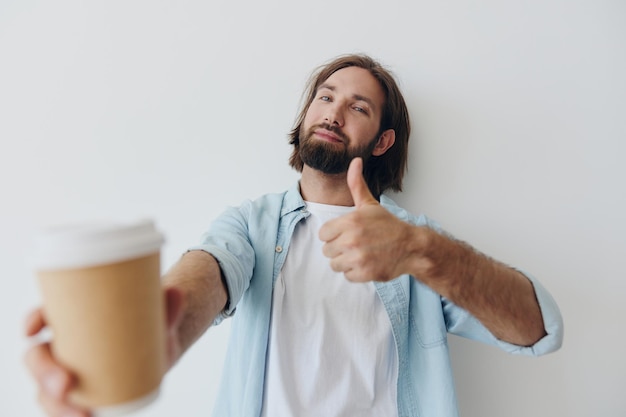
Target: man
(343, 300)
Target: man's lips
(328, 135)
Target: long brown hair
(381, 172)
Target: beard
(331, 158)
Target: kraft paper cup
(103, 301)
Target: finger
(339, 264)
(331, 250)
(355, 275)
(353, 265)
(35, 321)
(56, 408)
(349, 270)
(53, 380)
(347, 261)
(329, 230)
(361, 194)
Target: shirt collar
(292, 201)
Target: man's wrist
(417, 244)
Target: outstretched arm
(197, 276)
(372, 244)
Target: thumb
(358, 187)
(35, 321)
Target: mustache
(331, 128)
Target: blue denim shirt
(251, 242)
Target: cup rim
(95, 243)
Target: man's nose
(334, 115)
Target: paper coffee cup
(103, 301)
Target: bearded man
(342, 301)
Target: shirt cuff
(552, 322)
(228, 269)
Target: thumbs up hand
(371, 244)
(368, 244)
(361, 194)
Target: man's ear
(385, 141)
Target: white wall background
(177, 109)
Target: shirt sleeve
(461, 323)
(227, 240)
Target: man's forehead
(356, 82)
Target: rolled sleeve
(229, 268)
(227, 241)
(552, 322)
(462, 323)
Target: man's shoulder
(289, 199)
(393, 207)
(268, 198)
(419, 219)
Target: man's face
(343, 121)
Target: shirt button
(279, 249)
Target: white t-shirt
(331, 351)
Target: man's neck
(318, 187)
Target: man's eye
(324, 98)
(360, 109)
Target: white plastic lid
(95, 243)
